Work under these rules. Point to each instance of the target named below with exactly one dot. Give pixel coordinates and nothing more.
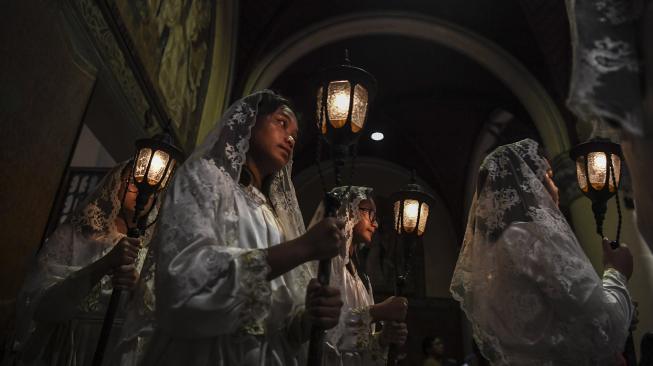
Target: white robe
(354, 341)
(67, 310)
(214, 303)
(544, 306)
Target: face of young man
(273, 140)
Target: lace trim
(256, 291)
(378, 352)
(361, 319)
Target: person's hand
(619, 259)
(394, 333)
(323, 305)
(125, 277)
(324, 239)
(121, 263)
(392, 308)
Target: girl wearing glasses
(354, 340)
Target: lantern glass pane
(616, 164)
(580, 173)
(321, 120)
(411, 207)
(168, 174)
(359, 108)
(423, 216)
(397, 217)
(338, 102)
(597, 169)
(141, 164)
(157, 167)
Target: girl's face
(365, 228)
(273, 140)
(129, 203)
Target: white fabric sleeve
(599, 310)
(207, 283)
(58, 286)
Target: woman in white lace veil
(232, 259)
(354, 340)
(65, 295)
(522, 278)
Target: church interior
(82, 80)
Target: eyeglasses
(371, 213)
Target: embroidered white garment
(353, 341)
(522, 278)
(60, 310)
(214, 305)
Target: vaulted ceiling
(432, 101)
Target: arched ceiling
(432, 101)
(431, 104)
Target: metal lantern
(154, 164)
(343, 95)
(343, 99)
(411, 212)
(411, 209)
(598, 169)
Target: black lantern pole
(344, 94)
(411, 211)
(598, 170)
(152, 168)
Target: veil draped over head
(355, 296)
(56, 283)
(522, 278)
(211, 278)
(225, 149)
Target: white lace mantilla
(523, 280)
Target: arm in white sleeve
(62, 287)
(207, 283)
(566, 277)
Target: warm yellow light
(597, 168)
(410, 216)
(337, 107)
(341, 103)
(168, 174)
(597, 171)
(580, 173)
(157, 166)
(141, 163)
(338, 102)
